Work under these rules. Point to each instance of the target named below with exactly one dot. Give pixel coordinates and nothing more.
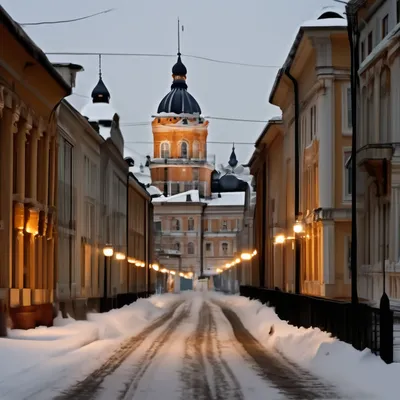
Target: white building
(379, 140)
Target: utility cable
(66, 20)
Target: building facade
(303, 187)
(30, 91)
(378, 152)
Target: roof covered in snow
(179, 198)
(96, 112)
(227, 199)
(142, 173)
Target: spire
(179, 70)
(100, 93)
(233, 162)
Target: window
(208, 247)
(370, 113)
(196, 149)
(165, 150)
(195, 172)
(224, 249)
(385, 26)
(177, 246)
(184, 150)
(346, 109)
(190, 248)
(369, 39)
(347, 176)
(313, 122)
(176, 225)
(190, 224)
(384, 105)
(363, 50)
(224, 225)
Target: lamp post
(108, 251)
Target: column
(326, 178)
(328, 252)
(35, 135)
(9, 116)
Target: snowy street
(193, 345)
(197, 350)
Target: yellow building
(30, 91)
(313, 196)
(180, 160)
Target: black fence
(361, 325)
(121, 300)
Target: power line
(58, 53)
(208, 142)
(66, 20)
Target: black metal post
(105, 294)
(297, 242)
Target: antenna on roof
(179, 37)
(100, 66)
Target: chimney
(68, 71)
(188, 197)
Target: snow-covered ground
(169, 359)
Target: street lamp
(298, 227)
(120, 256)
(108, 252)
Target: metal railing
(210, 159)
(362, 326)
(176, 187)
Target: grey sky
(252, 31)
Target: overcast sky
(251, 31)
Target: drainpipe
(297, 243)
(264, 225)
(127, 236)
(354, 37)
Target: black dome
(179, 68)
(100, 93)
(179, 100)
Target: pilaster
(328, 252)
(326, 179)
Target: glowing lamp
(120, 256)
(108, 250)
(131, 260)
(237, 261)
(280, 239)
(298, 227)
(172, 272)
(245, 256)
(155, 267)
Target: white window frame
(194, 249)
(173, 225)
(346, 195)
(347, 249)
(346, 107)
(161, 149)
(187, 149)
(224, 229)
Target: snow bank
(23, 350)
(317, 351)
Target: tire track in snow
(146, 360)
(292, 380)
(202, 354)
(88, 388)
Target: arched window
(384, 107)
(184, 150)
(225, 248)
(165, 150)
(196, 148)
(190, 224)
(190, 248)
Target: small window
(363, 50)
(184, 150)
(369, 39)
(347, 176)
(177, 225)
(190, 248)
(165, 150)
(208, 246)
(385, 26)
(190, 224)
(349, 109)
(225, 249)
(224, 225)
(177, 246)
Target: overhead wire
(65, 21)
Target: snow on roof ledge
(173, 115)
(179, 198)
(325, 23)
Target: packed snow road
(200, 350)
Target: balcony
(208, 160)
(176, 187)
(371, 155)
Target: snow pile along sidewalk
(22, 351)
(317, 351)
